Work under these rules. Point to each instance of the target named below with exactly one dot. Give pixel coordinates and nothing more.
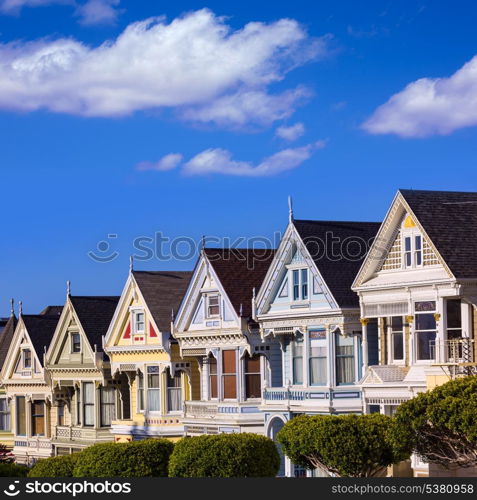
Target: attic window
(75, 342)
(26, 358)
(139, 322)
(213, 306)
(411, 244)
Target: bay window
(88, 404)
(297, 359)
(425, 329)
(153, 389)
(174, 392)
(38, 418)
(253, 385)
(4, 415)
(396, 327)
(108, 405)
(20, 404)
(213, 385)
(229, 374)
(345, 367)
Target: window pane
(214, 308)
(344, 359)
(425, 322)
(21, 416)
(298, 370)
(408, 260)
(418, 242)
(429, 305)
(304, 284)
(296, 285)
(396, 323)
(454, 314)
(153, 400)
(407, 244)
(252, 364)
(229, 361)
(425, 341)
(318, 370)
(398, 348)
(253, 388)
(230, 386)
(38, 418)
(108, 407)
(213, 377)
(88, 393)
(418, 258)
(75, 342)
(88, 403)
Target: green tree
(225, 455)
(441, 425)
(345, 445)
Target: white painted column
(441, 335)
(466, 312)
(364, 343)
(204, 380)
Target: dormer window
(26, 358)
(213, 306)
(413, 251)
(300, 284)
(75, 342)
(139, 322)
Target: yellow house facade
(146, 358)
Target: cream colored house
(418, 287)
(27, 385)
(145, 360)
(85, 400)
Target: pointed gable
(240, 270)
(95, 314)
(338, 250)
(6, 338)
(163, 292)
(450, 220)
(40, 329)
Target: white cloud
(291, 133)
(168, 162)
(219, 161)
(196, 64)
(430, 106)
(15, 6)
(98, 12)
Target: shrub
(441, 425)
(225, 455)
(13, 470)
(345, 445)
(61, 466)
(148, 458)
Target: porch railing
(454, 351)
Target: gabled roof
(240, 270)
(323, 240)
(163, 292)
(6, 338)
(94, 314)
(40, 328)
(450, 220)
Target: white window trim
(390, 345)
(207, 296)
(300, 299)
(134, 311)
(75, 332)
(422, 362)
(411, 233)
(146, 410)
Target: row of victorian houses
(343, 317)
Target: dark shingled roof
(40, 328)
(338, 249)
(450, 220)
(6, 338)
(240, 270)
(163, 292)
(95, 315)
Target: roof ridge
(337, 221)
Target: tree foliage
(61, 466)
(147, 458)
(441, 425)
(225, 455)
(345, 445)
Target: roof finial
(68, 288)
(12, 307)
(241, 309)
(20, 307)
(253, 293)
(290, 209)
(202, 243)
(172, 315)
(131, 263)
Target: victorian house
(145, 360)
(27, 385)
(85, 400)
(306, 304)
(6, 335)
(216, 331)
(418, 287)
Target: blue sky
(199, 122)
